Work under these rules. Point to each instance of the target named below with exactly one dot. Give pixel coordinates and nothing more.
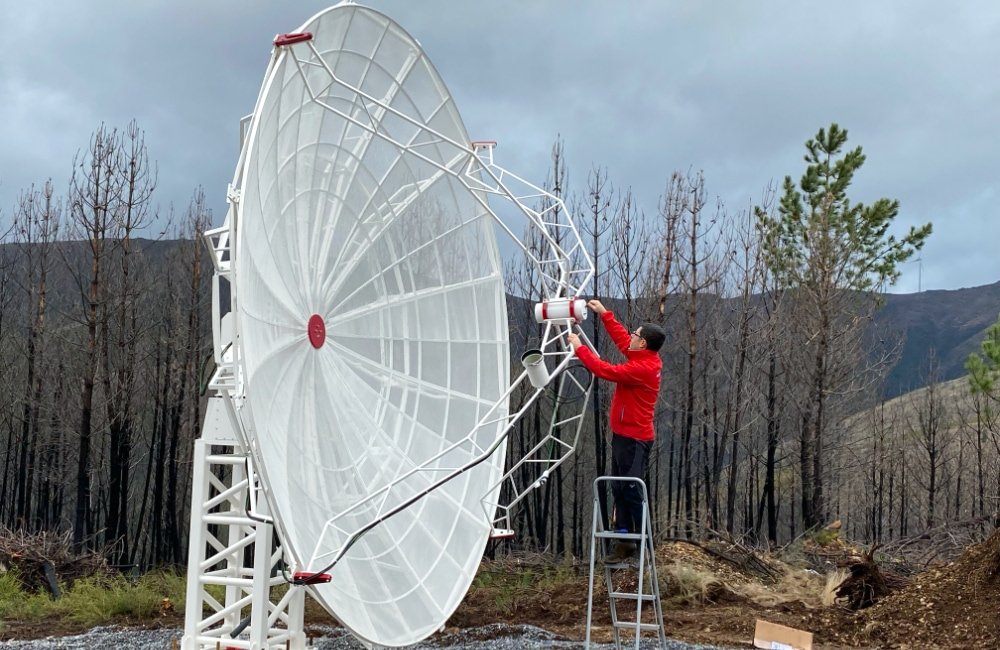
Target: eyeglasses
(636, 333)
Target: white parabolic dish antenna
(372, 311)
(370, 355)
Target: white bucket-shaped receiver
(534, 362)
(561, 309)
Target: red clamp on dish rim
(308, 578)
(292, 38)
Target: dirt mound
(713, 593)
(951, 606)
(729, 564)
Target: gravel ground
(490, 637)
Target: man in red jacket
(637, 387)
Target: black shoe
(621, 552)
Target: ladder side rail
(654, 578)
(642, 568)
(593, 552)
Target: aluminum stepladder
(643, 564)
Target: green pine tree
(984, 371)
(824, 250)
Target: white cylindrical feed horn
(534, 362)
(561, 309)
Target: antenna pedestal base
(231, 551)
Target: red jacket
(637, 382)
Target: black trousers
(628, 458)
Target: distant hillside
(69, 270)
(954, 404)
(951, 322)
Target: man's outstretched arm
(619, 335)
(624, 373)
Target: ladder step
(628, 596)
(644, 627)
(608, 534)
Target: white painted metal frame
(562, 264)
(223, 539)
(565, 271)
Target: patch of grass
(825, 536)
(505, 584)
(92, 601)
(681, 584)
(797, 585)
(95, 600)
(10, 592)
(172, 586)
(16, 604)
(557, 576)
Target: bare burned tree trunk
(773, 419)
(695, 277)
(52, 488)
(143, 540)
(809, 442)
(6, 399)
(37, 224)
(971, 413)
(672, 208)
(163, 424)
(600, 198)
(748, 271)
(119, 376)
(552, 498)
(772, 378)
(881, 430)
(187, 411)
(94, 189)
(904, 521)
(630, 250)
(929, 415)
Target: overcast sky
(730, 88)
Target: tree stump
(867, 583)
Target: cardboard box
(771, 636)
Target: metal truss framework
(231, 550)
(559, 261)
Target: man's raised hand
(596, 306)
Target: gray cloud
(641, 88)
